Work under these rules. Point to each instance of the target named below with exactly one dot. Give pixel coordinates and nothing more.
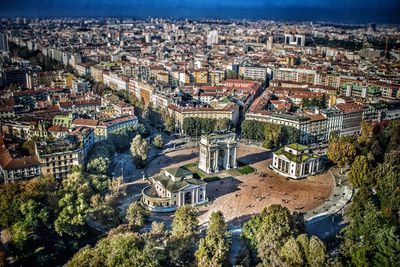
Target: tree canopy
(214, 248)
(125, 249)
(372, 236)
(341, 151)
(195, 127)
(270, 135)
(139, 150)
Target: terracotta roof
(57, 129)
(85, 122)
(349, 107)
(8, 163)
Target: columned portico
(296, 161)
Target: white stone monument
(217, 152)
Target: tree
(341, 151)
(289, 135)
(231, 74)
(317, 254)
(99, 165)
(169, 124)
(368, 234)
(292, 254)
(185, 223)
(359, 171)
(74, 205)
(253, 130)
(9, 204)
(222, 125)
(269, 231)
(366, 132)
(195, 127)
(136, 215)
(388, 248)
(117, 188)
(272, 135)
(139, 150)
(100, 157)
(157, 234)
(85, 257)
(158, 141)
(28, 209)
(214, 248)
(2, 259)
(183, 240)
(125, 249)
(302, 251)
(391, 135)
(34, 216)
(371, 238)
(387, 181)
(102, 211)
(122, 138)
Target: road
(122, 165)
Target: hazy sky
(338, 10)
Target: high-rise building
(4, 42)
(212, 38)
(270, 42)
(297, 39)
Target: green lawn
(246, 169)
(197, 173)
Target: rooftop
(178, 172)
(173, 186)
(297, 146)
(295, 158)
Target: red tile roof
(8, 163)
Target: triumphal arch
(217, 152)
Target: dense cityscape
(199, 142)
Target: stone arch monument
(217, 152)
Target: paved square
(242, 196)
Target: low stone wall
(154, 203)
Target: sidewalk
(340, 197)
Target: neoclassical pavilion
(172, 189)
(296, 161)
(217, 152)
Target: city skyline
(166, 133)
(343, 11)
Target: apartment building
(230, 111)
(58, 157)
(13, 169)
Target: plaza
(240, 196)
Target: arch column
(228, 158)
(216, 158)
